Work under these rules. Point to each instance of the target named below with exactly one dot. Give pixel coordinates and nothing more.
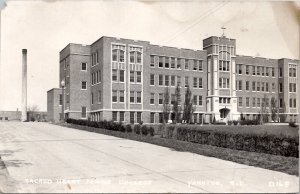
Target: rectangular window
(131, 76)
(292, 87)
(138, 117)
(291, 103)
(161, 62)
(83, 66)
(152, 96)
(240, 85)
(186, 81)
(167, 80)
(280, 87)
(131, 57)
(195, 65)
(280, 72)
(262, 71)
(258, 86)
(195, 98)
(257, 71)
(83, 85)
(240, 101)
(195, 82)
(178, 63)
(253, 70)
(152, 80)
(280, 102)
(138, 76)
(122, 116)
(138, 97)
(179, 80)
(267, 71)
(115, 75)
(115, 116)
(267, 102)
(253, 102)
(240, 69)
(172, 98)
(200, 83)
(92, 98)
(99, 96)
(173, 80)
(121, 75)
(131, 117)
(60, 99)
(273, 87)
(186, 64)
(267, 87)
(224, 83)
(83, 112)
(152, 115)
(200, 65)
(132, 96)
(160, 98)
(247, 70)
(167, 62)
(200, 101)
(114, 96)
(273, 72)
(247, 86)
(121, 96)
(152, 64)
(263, 86)
(172, 62)
(247, 102)
(114, 55)
(138, 57)
(160, 80)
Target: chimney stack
(24, 85)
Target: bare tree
(177, 105)
(31, 112)
(274, 109)
(188, 108)
(166, 105)
(263, 111)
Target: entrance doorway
(224, 113)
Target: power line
(203, 16)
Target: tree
(177, 105)
(31, 112)
(274, 109)
(166, 105)
(283, 115)
(263, 111)
(188, 108)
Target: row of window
(96, 77)
(256, 70)
(258, 102)
(256, 86)
(292, 72)
(176, 63)
(94, 58)
(197, 100)
(118, 75)
(171, 80)
(99, 97)
(135, 54)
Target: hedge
(263, 143)
(112, 126)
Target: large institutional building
(125, 80)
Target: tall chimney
(24, 85)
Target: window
(247, 86)
(121, 75)
(292, 72)
(262, 71)
(114, 96)
(257, 70)
(131, 57)
(280, 72)
(280, 87)
(60, 99)
(247, 102)
(239, 69)
(115, 116)
(172, 62)
(267, 102)
(186, 81)
(160, 62)
(258, 86)
(273, 72)
(83, 112)
(138, 97)
(152, 115)
(160, 80)
(186, 64)
(167, 80)
(195, 65)
(273, 87)
(258, 102)
(152, 80)
(167, 65)
(122, 116)
(115, 55)
(263, 86)
(224, 83)
(200, 65)
(179, 80)
(172, 98)
(173, 80)
(83, 67)
(292, 87)
(160, 98)
(200, 83)
(195, 82)
(115, 75)
(138, 117)
(253, 102)
(99, 96)
(122, 56)
(267, 71)
(253, 70)
(152, 61)
(131, 76)
(240, 101)
(131, 117)
(240, 84)
(152, 96)
(253, 86)
(195, 100)
(247, 70)
(267, 87)
(280, 102)
(138, 57)
(200, 101)
(92, 98)
(138, 76)
(132, 96)
(178, 63)
(224, 61)
(83, 85)
(121, 96)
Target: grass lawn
(287, 165)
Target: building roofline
(266, 58)
(54, 89)
(73, 44)
(218, 37)
(173, 47)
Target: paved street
(41, 157)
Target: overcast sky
(45, 27)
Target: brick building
(125, 80)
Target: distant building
(10, 116)
(124, 80)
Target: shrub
(144, 130)
(137, 129)
(292, 124)
(235, 122)
(230, 122)
(128, 128)
(151, 131)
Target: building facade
(125, 80)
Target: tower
(24, 85)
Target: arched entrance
(224, 113)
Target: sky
(266, 29)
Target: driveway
(41, 157)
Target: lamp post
(62, 83)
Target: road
(41, 157)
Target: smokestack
(24, 85)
